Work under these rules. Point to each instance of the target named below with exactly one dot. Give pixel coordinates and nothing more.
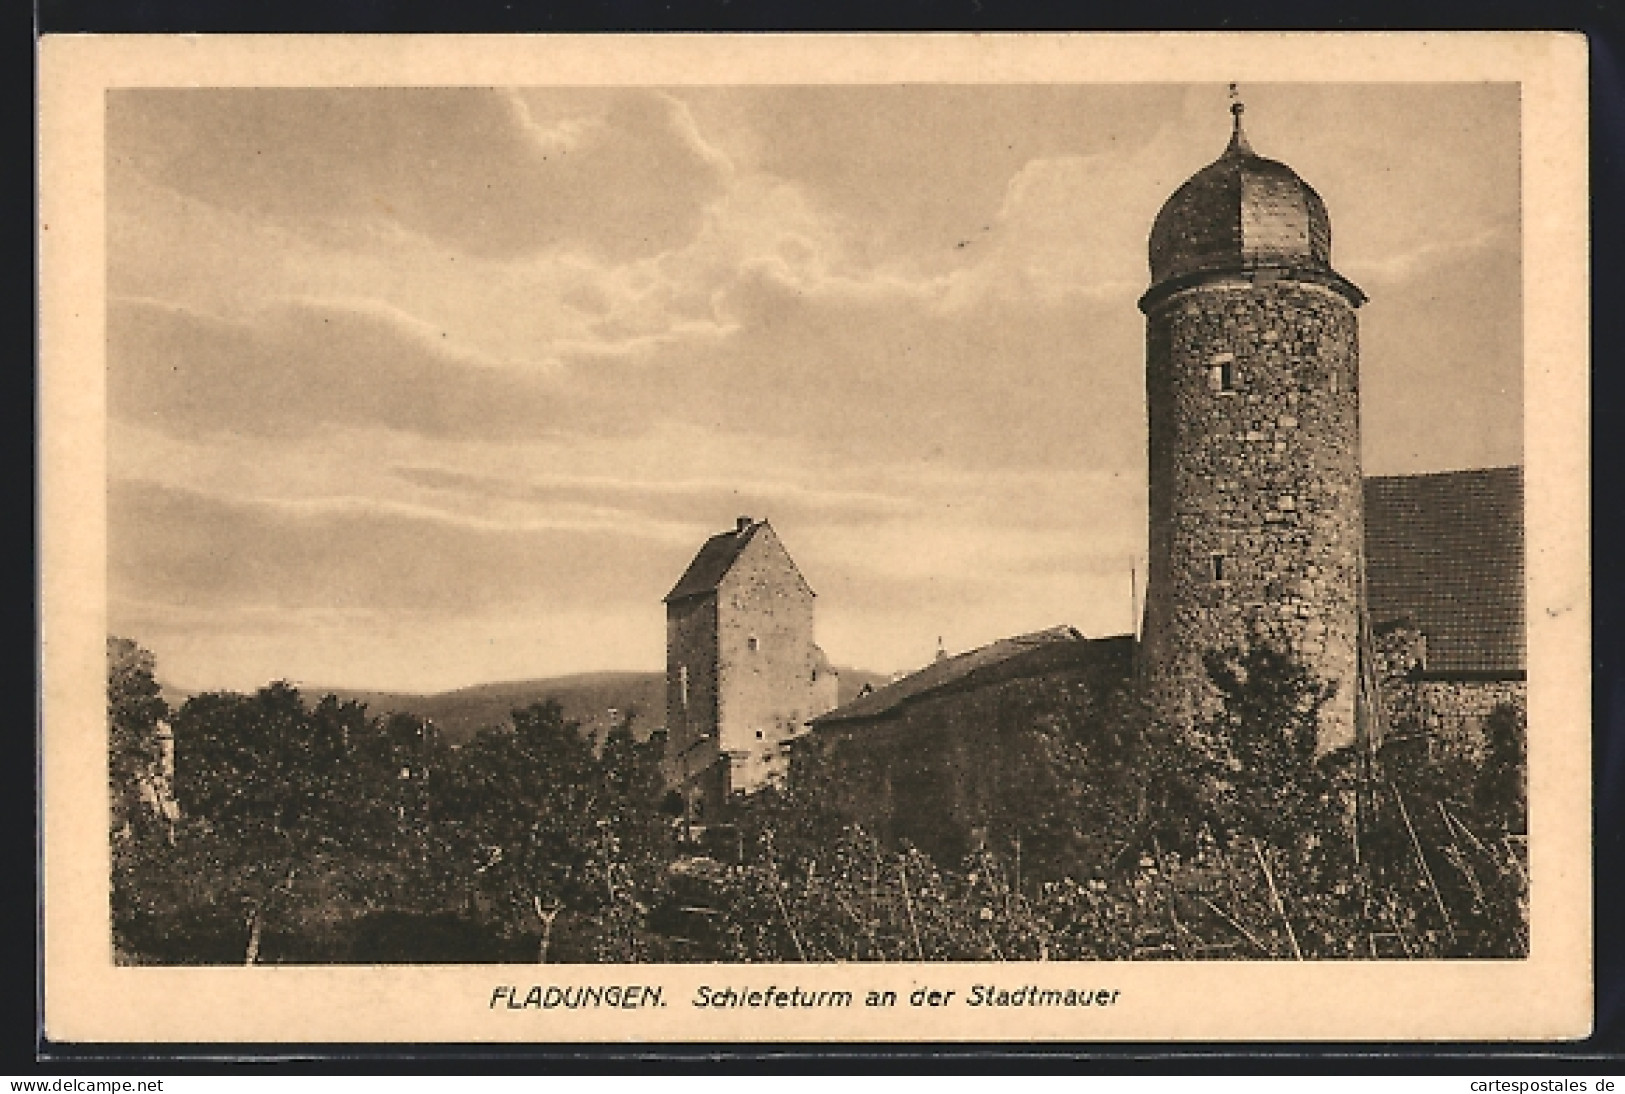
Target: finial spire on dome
(1238, 137)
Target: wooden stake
(1438, 897)
(1517, 863)
(1457, 821)
(547, 916)
(1280, 908)
(773, 880)
(1179, 928)
(253, 954)
(1263, 949)
(1388, 909)
(868, 929)
(908, 906)
(1459, 858)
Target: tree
(1499, 792)
(280, 808)
(135, 707)
(393, 762)
(1044, 794)
(1263, 743)
(634, 788)
(1270, 813)
(520, 811)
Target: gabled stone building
(743, 672)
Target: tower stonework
(1252, 391)
(743, 672)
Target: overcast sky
(420, 388)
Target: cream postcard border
(1547, 996)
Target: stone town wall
(1255, 487)
(1452, 712)
(1443, 711)
(938, 771)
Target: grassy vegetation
(320, 833)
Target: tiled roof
(1445, 552)
(713, 562)
(1004, 659)
(1240, 211)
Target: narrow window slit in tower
(1218, 567)
(1221, 377)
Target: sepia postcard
(797, 538)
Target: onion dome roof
(1242, 212)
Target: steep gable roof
(1445, 552)
(714, 561)
(1005, 659)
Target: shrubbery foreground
(313, 833)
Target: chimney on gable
(744, 526)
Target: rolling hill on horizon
(587, 698)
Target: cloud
(167, 247)
(297, 367)
(1069, 228)
(871, 369)
(1441, 368)
(364, 562)
(450, 384)
(686, 504)
(886, 374)
(766, 322)
(908, 171)
(1434, 252)
(625, 175)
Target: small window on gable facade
(753, 644)
(682, 685)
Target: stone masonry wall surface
(935, 771)
(767, 660)
(1255, 490)
(1453, 711)
(691, 688)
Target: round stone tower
(1252, 390)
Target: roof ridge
(712, 562)
(939, 676)
(1514, 467)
